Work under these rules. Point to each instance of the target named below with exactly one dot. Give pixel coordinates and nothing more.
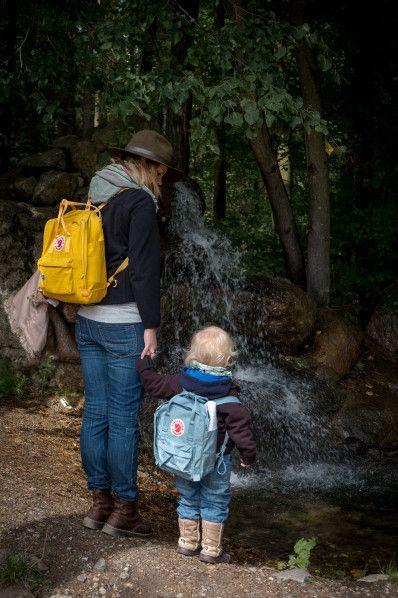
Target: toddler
(206, 373)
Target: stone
(294, 574)
(100, 565)
(82, 577)
(363, 424)
(54, 186)
(124, 575)
(84, 155)
(102, 591)
(382, 331)
(37, 563)
(335, 345)
(52, 159)
(25, 187)
(276, 310)
(65, 142)
(374, 578)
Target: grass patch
(390, 569)
(20, 569)
(12, 383)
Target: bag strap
(224, 400)
(112, 279)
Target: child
(206, 374)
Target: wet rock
(54, 186)
(52, 159)
(335, 345)
(275, 310)
(295, 574)
(100, 565)
(374, 578)
(382, 331)
(84, 155)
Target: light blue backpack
(185, 436)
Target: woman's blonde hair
(211, 346)
(143, 172)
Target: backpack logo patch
(59, 243)
(177, 427)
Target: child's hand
(245, 465)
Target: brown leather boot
(125, 520)
(101, 509)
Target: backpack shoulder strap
(224, 400)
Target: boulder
(276, 311)
(84, 155)
(7, 182)
(382, 331)
(335, 345)
(25, 187)
(66, 142)
(363, 422)
(52, 159)
(54, 186)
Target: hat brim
(173, 174)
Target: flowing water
(305, 483)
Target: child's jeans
(208, 499)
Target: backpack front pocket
(56, 278)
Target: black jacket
(131, 229)
(233, 418)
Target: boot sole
(214, 560)
(123, 533)
(187, 551)
(92, 524)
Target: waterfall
(202, 284)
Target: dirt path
(42, 501)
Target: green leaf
(234, 119)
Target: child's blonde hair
(211, 346)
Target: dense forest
(284, 111)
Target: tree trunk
(178, 125)
(220, 177)
(318, 261)
(278, 197)
(277, 194)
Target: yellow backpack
(72, 264)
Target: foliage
(20, 569)
(302, 552)
(390, 569)
(119, 55)
(12, 383)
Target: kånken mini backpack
(185, 437)
(72, 264)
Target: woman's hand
(150, 342)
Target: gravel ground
(42, 502)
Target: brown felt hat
(152, 145)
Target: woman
(112, 335)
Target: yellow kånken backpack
(72, 265)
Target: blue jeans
(113, 394)
(208, 499)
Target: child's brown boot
(189, 540)
(212, 551)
